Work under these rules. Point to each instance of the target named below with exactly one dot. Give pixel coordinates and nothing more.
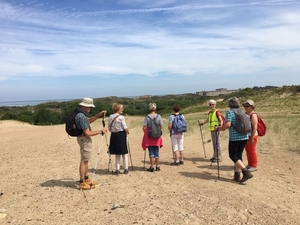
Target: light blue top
(233, 134)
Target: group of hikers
(152, 140)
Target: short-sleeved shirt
(147, 120)
(233, 134)
(118, 124)
(81, 120)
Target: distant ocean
(31, 102)
(36, 102)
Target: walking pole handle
(103, 121)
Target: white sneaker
(252, 169)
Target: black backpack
(243, 125)
(71, 127)
(154, 130)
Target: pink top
(150, 141)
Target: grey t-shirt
(147, 120)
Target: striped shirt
(233, 134)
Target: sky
(97, 48)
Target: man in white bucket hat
(84, 140)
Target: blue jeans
(153, 151)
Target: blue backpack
(179, 124)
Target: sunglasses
(211, 104)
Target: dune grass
(282, 125)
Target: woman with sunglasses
(250, 146)
(214, 119)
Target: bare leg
(176, 156)
(83, 169)
(181, 155)
(157, 162)
(152, 161)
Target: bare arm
(225, 126)
(170, 126)
(90, 133)
(220, 120)
(144, 128)
(201, 124)
(254, 126)
(98, 115)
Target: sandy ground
(39, 171)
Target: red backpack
(261, 126)
(223, 117)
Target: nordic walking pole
(202, 138)
(129, 152)
(109, 156)
(97, 159)
(98, 153)
(145, 158)
(217, 150)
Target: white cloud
(185, 39)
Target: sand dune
(39, 170)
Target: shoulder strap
(110, 125)
(179, 114)
(251, 114)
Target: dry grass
(39, 169)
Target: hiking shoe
(84, 186)
(246, 175)
(90, 182)
(181, 162)
(150, 169)
(175, 164)
(157, 168)
(214, 160)
(126, 171)
(117, 172)
(252, 169)
(237, 176)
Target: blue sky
(96, 48)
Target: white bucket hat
(87, 102)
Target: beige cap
(249, 102)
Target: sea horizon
(30, 102)
(37, 102)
